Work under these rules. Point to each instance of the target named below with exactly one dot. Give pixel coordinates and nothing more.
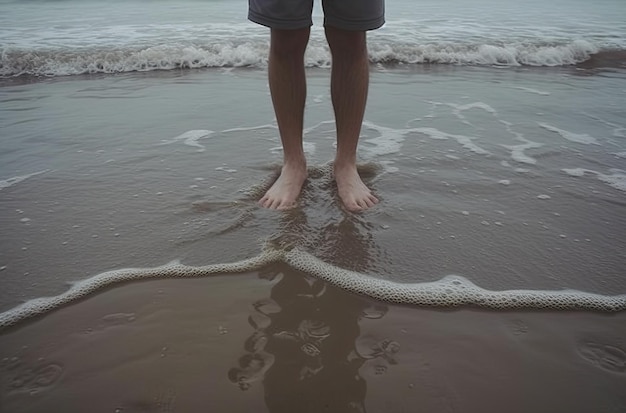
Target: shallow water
(511, 178)
(494, 136)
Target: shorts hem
(355, 25)
(279, 23)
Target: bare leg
(288, 88)
(348, 87)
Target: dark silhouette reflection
(305, 349)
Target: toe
(355, 206)
(271, 204)
(372, 200)
(287, 205)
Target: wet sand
(243, 343)
(511, 178)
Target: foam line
(175, 54)
(17, 179)
(617, 180)
(190, 138)
(517, 151)
(535, 91)
(89, 286)
(571, 136)
(450, 291)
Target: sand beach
(511, 175)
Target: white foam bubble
(389, 142)
(577, 171)
(484, 54)
(518, 151)
(535, 91)
(518, 154)
(458, 109)
(237, 50)
(225, 169)
(618, 130)
(465, 141)
(6, 183)
(86, 287)
(477, 105)
(570, 136)
(617, 178)
(250, 128)
(191, 138)
(451, 291)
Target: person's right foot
(285, 191)
(354, 194)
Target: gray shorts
(359, 15)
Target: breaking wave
(16, 61)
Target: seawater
(52, 38)
(510, 175)
(509, 178)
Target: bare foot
(284, 192)
(352, 191)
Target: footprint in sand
(35, 379)
(604, 356)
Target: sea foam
(571, 136)
(191, 138)
(617, 178)
(450, 291)
(252, 52)
(5, 183)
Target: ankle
(344, 164)
(298, 164)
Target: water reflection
(306, 349)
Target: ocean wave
(253, 53)
(486, 54)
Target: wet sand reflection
(307, 350)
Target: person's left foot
(284, 192)
(353, 193)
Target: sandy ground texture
(279, 341)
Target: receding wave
(108, 59)
(450, 291)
